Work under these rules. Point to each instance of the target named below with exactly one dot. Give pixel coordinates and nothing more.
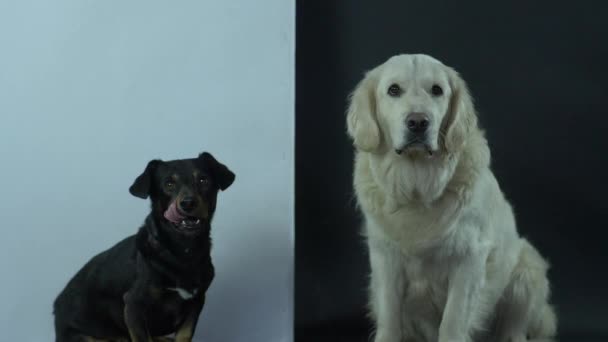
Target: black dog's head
(183, 192)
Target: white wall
(90, 90)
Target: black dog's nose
(187, 204)
(417, 122)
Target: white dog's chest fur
(422, 180)
(409, 203)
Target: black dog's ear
(141, 185)
(223, 176)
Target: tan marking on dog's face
(189, 185)
(203, 208)
(170, 184)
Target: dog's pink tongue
(172, 214)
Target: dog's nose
(417, 122)
(187, 204)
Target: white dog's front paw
(455, 335)
(452, 339)
(382, 336)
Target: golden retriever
(447, 262)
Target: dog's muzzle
(416, 145)
(181, 220)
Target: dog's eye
(436, 90)
(394, 90)
(170, 184)
(203, 180)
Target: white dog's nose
(417, 122)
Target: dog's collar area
(153, 238)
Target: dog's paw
(454, 340)
(384, 337)
(163, 339)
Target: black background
(538, 73)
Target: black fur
(127, 291)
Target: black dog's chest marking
(183, 293)
(168, 308)
(163, 296)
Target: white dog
(447, 261)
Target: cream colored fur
(447, 261)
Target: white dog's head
(411, 104)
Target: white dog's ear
(361, 119)
(461, 118)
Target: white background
(90, 90)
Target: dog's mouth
(188, 224)
(182, 222)
(415, 146)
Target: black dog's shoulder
(117, 265)
(99, 283)
(110, 271)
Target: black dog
(153, 283)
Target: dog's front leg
(388, 284)
(465, 284)
(135, 313)
(186, 330)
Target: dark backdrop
(538, 73)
